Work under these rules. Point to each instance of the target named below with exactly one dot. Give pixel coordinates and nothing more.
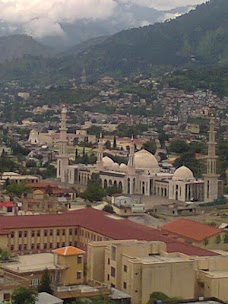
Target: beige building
(142, 175)
(140, 268)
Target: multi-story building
(43, 233)
(140, 268)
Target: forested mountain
(197, 39)
(16, 46)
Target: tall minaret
(131, 160)
(211, 178)
(100, 164)
(62, 159)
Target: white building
(142, 175)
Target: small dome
(146, 161)
(115, 166)
(183, 173)
(107, 161)
(38, 192)
(123, 167)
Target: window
(25, 234)
(6, 297)
(12, 234)
(63, 231)
(20, 233)
(79, 275)
(33, 233)
(113, 253)
(63, 244)
(70, 232)
(75, 231)
(124, 285)
(108, 277)
(108, 261)
(58, 232)
(38, 246)
(50, 245)
(38, 233)
(12, 248)
(20, 247)
(45, 233)
(35, 282)
(57, 245)
(79, 259)
(125, 268)
(25, 247)
(32, 246)
(45, 245)
(51, 233)
(113, 272)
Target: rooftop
(100, 222)
(69, 250)
(191, 229)
(31, 262)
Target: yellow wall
(74, 272)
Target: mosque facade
(142, 175)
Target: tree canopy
(24, 295)
(45, 283)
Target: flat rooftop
(157, 259)
(31, 262)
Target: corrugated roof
(191, 229)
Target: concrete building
(44, 233)
(142, 175)
(141, 268)
(198, 234)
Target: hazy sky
(42, 17)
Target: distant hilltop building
(142, 175)
(24, 95)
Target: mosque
(142, 175)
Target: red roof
(191, 230)
(7, 204)
(102, 223)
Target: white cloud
(41, 18)
(164, 4)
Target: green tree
(108, 208)
(150, 146)
(45, 283)
(4, 255)
(94, 190)
(24, 295)
(114, 142)
(160, 296)
(18, 189)
(179, 146)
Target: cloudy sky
(41, 18)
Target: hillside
(195, 40)
(199, 37)
(16, 46)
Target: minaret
(62, 159)
(83, 77)
(100, 165)
(211, 178)
(131, 161)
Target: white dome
(146, 161)
(116, 166)
(107, 161)
(183, 173)
(123, 167)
